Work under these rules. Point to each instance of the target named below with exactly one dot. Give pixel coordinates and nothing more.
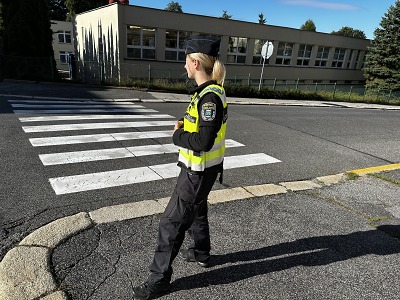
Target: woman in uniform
(200, 136)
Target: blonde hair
(212, 66)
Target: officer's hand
(178, 125)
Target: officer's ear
(197, 64)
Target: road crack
(109, 261)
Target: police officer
(200, 136)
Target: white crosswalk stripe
(114, 153)
(98, 138)
(84, 126)
(75, 106)
(83, 101)
(93, 117)
(93, 181)
(80, 112)
(83, 111)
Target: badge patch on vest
(208, 111)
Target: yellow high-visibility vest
(201, 161)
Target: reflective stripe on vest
(200, 161)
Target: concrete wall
(97, 44)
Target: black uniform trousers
(186, 211)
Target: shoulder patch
(208, 111)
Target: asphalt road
(309, 142)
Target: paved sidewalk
(329, 238)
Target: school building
(118, 41)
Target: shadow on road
(314, 251)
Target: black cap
(203, 44)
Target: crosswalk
(73, 124)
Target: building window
(64, 56)
(357, 63)
(284, 54)
(338, 58)
(304, 55)
(350, 58)
(64, 37)
(237, 50)
(141, 42)
(322, 56)
(174, 45)
(257, 57)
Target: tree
(78, 6)
(225, 15)
(382, 66)
(28, 39)
(309, 25)
(261, 19)
(174, 6)
(350, 32)
(57, 10)
(1, 18)
(27, 28)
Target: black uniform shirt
(210, 110)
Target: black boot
(188, 255)
(148, 291)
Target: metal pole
(334, 91)
(262, 72)
(351, 90)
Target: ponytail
(218, 72)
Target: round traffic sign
(267, 50)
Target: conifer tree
(57, 10)
(225, 15)
(350, 32)
(1, 18)
(261, 19)
(382, 66)
(28, 39)
(28, 30)
(309, 25)
(174, 6)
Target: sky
(328, 15)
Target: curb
(33, 253)
(25, 272)
(377, 169)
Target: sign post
(266, 53)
